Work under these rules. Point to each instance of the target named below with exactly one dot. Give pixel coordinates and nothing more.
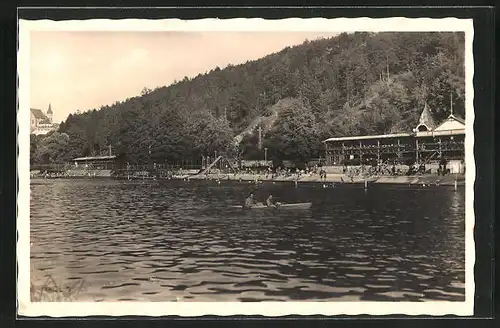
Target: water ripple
(180, 241)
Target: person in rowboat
(271, 203)
(249, 201)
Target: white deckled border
(272, 309)
(397, 24)
(470, 164)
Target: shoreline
(447, 180)
(341, 179)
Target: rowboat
(295, 206)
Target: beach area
(427, 179)
(328, 178)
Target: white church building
(41, 123)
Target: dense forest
(352, 84)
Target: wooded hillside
(353, 84)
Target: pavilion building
(428, 144)
(96, 162)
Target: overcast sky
(84, 70)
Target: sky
(86, 70)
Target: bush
(50, 291)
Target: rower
(249, 202)
(270, 202)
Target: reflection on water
(181, 241)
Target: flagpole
(451, 103)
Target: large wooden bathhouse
(427, 144)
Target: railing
(444, 146)
(113, 166)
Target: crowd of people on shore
(359, 171)
(260, 173)
(393, 170)
(269, 173)
(69, 174)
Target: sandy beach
(430, 179)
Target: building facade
(96, 162)
(41, 123)
(427, 144)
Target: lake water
(181, 241)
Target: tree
(34, 143)
(383, 107)
(209, 134)
(171, 140)
(361, 83)
(344, 122)
(295, 135)
(145, 91)
(52, 149)
(77, 144)
(249, 146)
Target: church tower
(50, 114)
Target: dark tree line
(352, 84)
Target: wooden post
(398, 152)
(327, 154)
(378, 152)
(360, 154)
(416, 150)
(343, 151)
(260, 137)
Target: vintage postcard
(246, 167)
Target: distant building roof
(49, 111)
(438, 133)
(37, 113)
(451, 123)
(456, 118)
(93, 158)
(426, 120)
